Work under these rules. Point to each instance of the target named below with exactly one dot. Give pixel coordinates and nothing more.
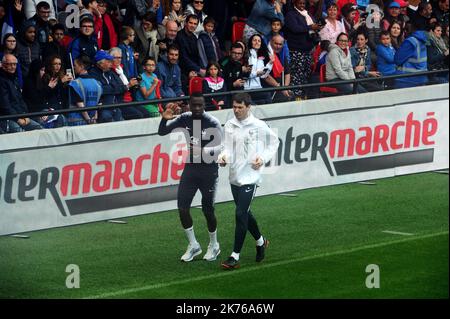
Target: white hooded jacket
(244, 141)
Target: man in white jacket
(248, 145)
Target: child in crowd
(148, 86)
(277, 25)
(208, 43)
(385, 57)
(214, 83)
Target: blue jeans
(348, 88)
(111, 115)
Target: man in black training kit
(204, 134)
(249, 144)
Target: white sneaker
(212, 252)
(191, 252)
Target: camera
(321, 21)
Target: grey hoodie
(339, 65)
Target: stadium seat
(195, 85)
(238, 31)
(158, 96)
(65, 42)
(315, 58)
(325, 89)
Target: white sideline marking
(225, 273)
(288, 195)
(367, 183)
(117, 222)
(396, 233)
(21, 236)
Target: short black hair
(237, 46)
(173, 47)
(209, 20)
(341, 34)
(191, 16)
(42, 5)
(242, 98)
(144, 62)
(86, 2)
(86, 18)
(384, 33)
(197, 94)
(85, 61)
(58, 26)
(276, 20)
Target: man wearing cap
(113, 87)
(393, 13)
(403, 10)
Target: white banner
(77, 175)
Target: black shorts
(198, 177)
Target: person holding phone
(234, 72)
(55, 90)
(261, 61)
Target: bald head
(171, 30)
(277, 43)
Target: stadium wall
(69, 176)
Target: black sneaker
(260, 251)
(230, 263)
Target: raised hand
(170, 111)
(53, 82)
(18, 5)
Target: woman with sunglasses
(196, 7)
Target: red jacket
(98, 27)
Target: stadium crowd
(60, 54)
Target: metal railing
(229, 93)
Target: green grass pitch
(321, 242)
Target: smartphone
(69, 72)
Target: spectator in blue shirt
(259, 21)
(148, 85)
(169, 73)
